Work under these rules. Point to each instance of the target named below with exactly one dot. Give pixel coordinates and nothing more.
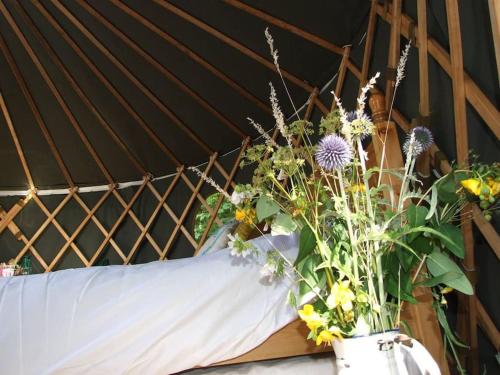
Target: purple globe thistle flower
(412, 147)
(333, 153)
(351, 116)
(423, 136)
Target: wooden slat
(36, 112)
(285, 26)
(221, 197)
(487, 230)
(494, 7)
(367, 54)
(99, 225)
(487, 325)
(55, 91)
(105, 81)
(423, 161)
(72, 81)
(154, 215)
(341, 76)
(187, 209)
(17, 144)
(232, 43)
(163, 70)
(394, 48)
(192, 55)
(479, 101)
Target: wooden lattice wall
(465, 92)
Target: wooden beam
(487, 230)
(285, 26)
(487, 325)
(341, 76)
(494, 7)
(105, 81)
(367, 54)
(423, 162)
(7, 217)
(163, 70)
(71, 79)
(394, 49)
(17, 144)
(232, 43)
(479, 101)
(130, 76)
(55, 91)
(36, 112)
(192, 55)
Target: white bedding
(155, 318)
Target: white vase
(384, 354)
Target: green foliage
(225, 214)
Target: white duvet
(155, 318)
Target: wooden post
(341, 75)
(394, 47)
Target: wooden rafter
(367, 53)
(286, 26)
(55, 91)
(494, 7)
(36, 112)
(84, 97)
(95, 70)
(163, 70)
(479, 101)
(234, 44)
(394, 49)
(17, 144)
(192, 55)
(341, 75)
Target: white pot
(384, 354)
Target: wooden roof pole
(467, 310)
(394, 48)
(341, 76)
(285, 26)
(164, 71)
(481, 103)
(233, 43)
(69, 77)
(192, 55)
(17, 144)
(423, 161)
(367, 54)
(494, 7)
(73, 121)
(36, 112)
(138, 119)
(130, 76)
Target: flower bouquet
(364, 245)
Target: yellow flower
(472, 185)
(324, 337)
(358, 188)
(313, 320)
(494, 186)
(446, 290)
(247, 215)
(341, 295)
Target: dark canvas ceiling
(147, 70)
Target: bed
(155, 318)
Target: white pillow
(218, 240)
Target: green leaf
(416, 215)
(454, 240)
(434, 200)
(307, 243)
(446, 328)
(307, 271)
(283, 224)
(439, 264)
(266, 207)
(406, 259)
(447, 189)
(421, 245)
(400, 289)
(442, 279)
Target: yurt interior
(249, 187)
